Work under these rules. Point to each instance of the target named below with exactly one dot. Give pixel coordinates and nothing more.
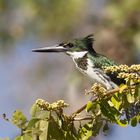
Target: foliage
(120, 28)
(119, 106)
(124, 19)
(19, 18)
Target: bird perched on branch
(87, 60)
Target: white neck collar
(76, 55)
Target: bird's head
(74, 48)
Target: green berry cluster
(51, 107)
(123, 68)
(125, 72)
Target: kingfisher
(87, 60)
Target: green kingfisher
(87, 60)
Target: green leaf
(70, 131)
(122, 88)
(24, 137)
(86, 131)
(19, 119)
(137, 91)
(70, 135)
(108, 111)
(54, 131)
(116, 103)
(122, 123)
(97, 125)
(37, 112)
(18, 138)
(43, 125)
(130, 98)
(89, 106)
(34, 110)
(134, 121)
(32, 122)
(27, 137)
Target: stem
(84, 118)
(78, 111)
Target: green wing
(101, 61)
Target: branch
(109, 93)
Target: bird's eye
(70, 45)
(66, 45)
(62, 44)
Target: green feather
(101, 61)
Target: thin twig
(78, 111)
(81, 119)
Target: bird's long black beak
(56, 48)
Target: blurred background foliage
(26, 76)
(42, 17)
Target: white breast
(97, 75)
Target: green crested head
(80, 44)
